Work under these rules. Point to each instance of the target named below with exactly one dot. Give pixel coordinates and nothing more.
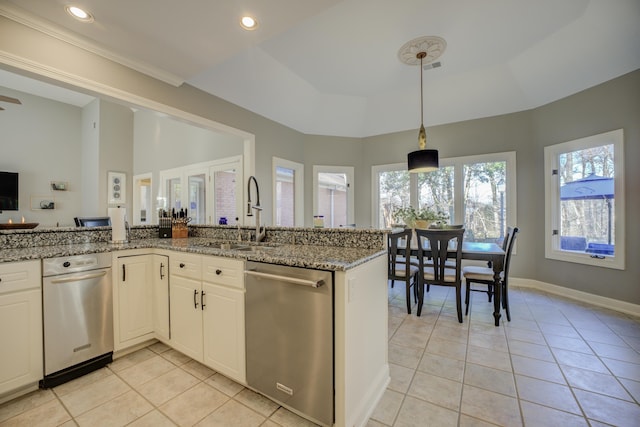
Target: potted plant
(418, 218)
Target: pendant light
(412, 53)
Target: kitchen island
(361, 370)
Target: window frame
(458, 163)
(349, 172)
(207, 168)
(552, 201)
(298, 188)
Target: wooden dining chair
(484, 275)
(400, 266)
(440, 256)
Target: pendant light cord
(421, 55)
(422, 134)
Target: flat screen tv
(8, 191)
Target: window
(213, 191)
(585, 200)
(333, 195)
(225, 203)
(288, 188)
(391, 183)
(477, 191)
(143, 213)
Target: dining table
(483, 251)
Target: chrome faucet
(260, 234)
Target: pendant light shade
(422, 160)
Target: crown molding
(46, 27)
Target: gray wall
(609, 106)
(163, 143)
(612, 105)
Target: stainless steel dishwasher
(77, 311)
(289, 333)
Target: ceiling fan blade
(9, 99)
(1, 108)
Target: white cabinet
(185, 285)
(160, 292)
(141, 298)
(207, 311)
(20, 325)
(223, 316)
(135, 305)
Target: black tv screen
(8, 191)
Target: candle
(10, 222)
(23, 220)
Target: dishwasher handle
(294, 280)
(78, 278)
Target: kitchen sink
(238, 246)
(255, 248)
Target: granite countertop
(318, 257)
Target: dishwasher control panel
(75, 263)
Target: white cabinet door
(21, 338)
(160, 291)
(186, 316)
(223, 318)
(20, 325)
(134, 299)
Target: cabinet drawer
(18, 276)
(186, 265)
(223, 271)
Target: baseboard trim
(600, 301)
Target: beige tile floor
(558, 362)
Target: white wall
(41, 140)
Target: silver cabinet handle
(77, 278)
(294, 280)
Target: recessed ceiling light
(79, 14)
(248, 23)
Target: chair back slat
(442, 245)
(397, 243)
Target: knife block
(179, 229)
(165, 229)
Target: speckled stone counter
(326, 249)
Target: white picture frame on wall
(116, 188)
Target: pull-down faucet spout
(259, 233)
(257, 205)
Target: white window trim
(222, 165)
(375, 194)
(552, 197)
(458, 162)
(206, 167)
(152, 216)
(349, 172)
(298, 203)
(510, 183)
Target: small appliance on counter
(119, 224)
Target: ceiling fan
(4, 98)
